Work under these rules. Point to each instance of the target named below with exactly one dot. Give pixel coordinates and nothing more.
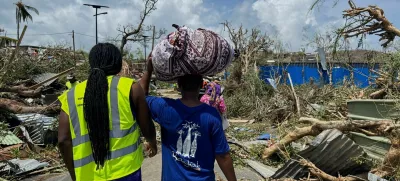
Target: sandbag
(188, 51)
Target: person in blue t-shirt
(191, 133)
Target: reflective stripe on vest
(116, 132)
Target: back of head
(190, 83)
(104, 59)
(107, 57)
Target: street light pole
(145, 52)
(96, 26)
(97, 7)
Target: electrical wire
(89, 35)
(42, 34)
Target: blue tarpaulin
(302, 73)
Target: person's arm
(226, 164)
(65, 143)
(221, 150)
(143, 117)
(145, 81)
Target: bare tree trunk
(20, 108)
(18, 30)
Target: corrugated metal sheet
(37, 125)
(8, 138)
(331, 151)
(42, 77)
(23, 166)
(372, 109)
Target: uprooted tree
(134, 33)
(248, 43)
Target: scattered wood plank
(261, 169)
(238, 121)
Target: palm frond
(32, 9)
(25, 14)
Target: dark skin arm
(65, 143)
(145, 81)
(143, 118)
(226, 164)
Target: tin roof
(42, 77)
(331, 151)
(37, 125)
(8, 138)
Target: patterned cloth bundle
(188, 51)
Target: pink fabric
(219, 103)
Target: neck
(190, 98)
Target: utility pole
(145, 52)
(97, 7)
(154, 34)
(73, 45)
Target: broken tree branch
(295, 96)
(149, 6)
(376, 127)
(22, 90)
(321, 174)
(20, 108)
(369, 20)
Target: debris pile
(355, 138)
(29, 87)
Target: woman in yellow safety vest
(99, 123)
(71, 81)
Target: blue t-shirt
(191, 137)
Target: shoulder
(160, 100)
(127, 79)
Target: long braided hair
(104, 59)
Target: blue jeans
(135, 176)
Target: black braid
(104, 59)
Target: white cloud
(284, 18)
(288, 17)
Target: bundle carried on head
(188, 51)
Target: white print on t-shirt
(189, 148)
(187, 163)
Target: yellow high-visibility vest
(69, 85)
(126, 154)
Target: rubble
(331, 151)
(17, 166)
(39, 127)
(8, 138)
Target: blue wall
(301, 73)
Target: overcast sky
(286, 19)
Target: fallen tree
(22, 90)
(315, 171)
(386, 128)
(20, 108)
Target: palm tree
(22, 13)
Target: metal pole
(145, 53)
(154, 34)
(73, 45)
(96, 26)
